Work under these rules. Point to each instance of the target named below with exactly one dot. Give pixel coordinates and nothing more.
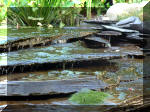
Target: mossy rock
(126, 10)
(88, 97)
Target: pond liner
(49, 87)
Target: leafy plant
(19, 11)
(30, 16)
(88, 97)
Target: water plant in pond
(88, 97)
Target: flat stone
(51, 87)
(20, 43)
(84, 28)
(73, 38)
(56, 56)
(103, 42)
(53, 62)
(114, 28)
(17, 40)
(100, 22)
(109, 33)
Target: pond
(70, 61)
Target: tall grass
(31, 16)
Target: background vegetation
(48, 12)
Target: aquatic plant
(88, 97)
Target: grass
(88, 97)
(31, 16)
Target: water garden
(74, 55)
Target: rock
(114, 28)
(51, 87)
(17, 43)
(146, 27)
(130, 36)
(100, 22)
(133, 23)
(97, 42)
(83, 28)
(112, 36)
(127, 21)
(109, 33)
(72, 38)
(123, 10)
(56, 56)
(53, 62)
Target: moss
(88, 97)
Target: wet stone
(56, 55)
(97, 42)
(18, 39)
(100, 22)
(27, 88)
(109, 33)
(114, 28)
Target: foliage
(38, 10)
(99, 6)
(146, 13)
(31, 16)
(88, 97)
